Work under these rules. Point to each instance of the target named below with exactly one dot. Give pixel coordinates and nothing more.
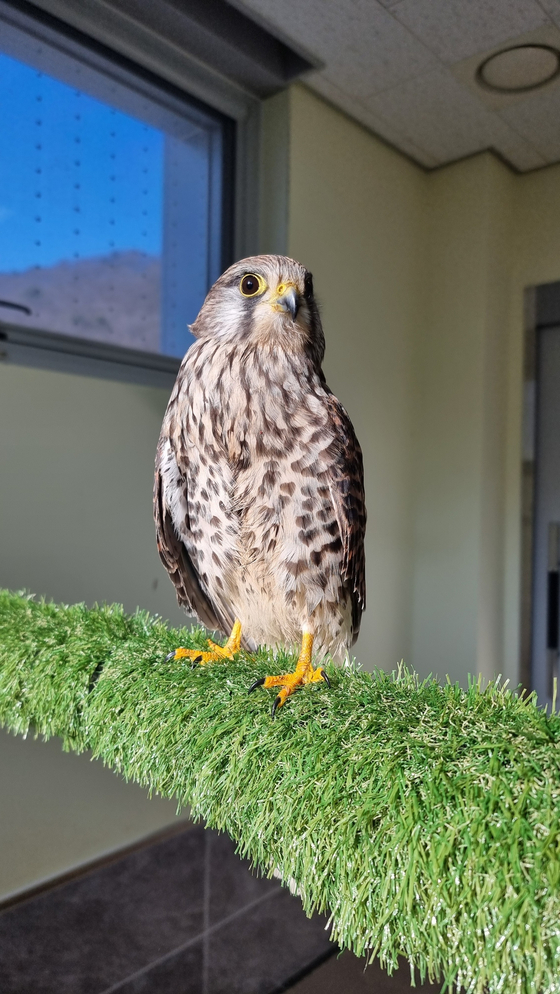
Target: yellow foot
(303, 673)
(215, 651)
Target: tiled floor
(346, 974)
(183, 915)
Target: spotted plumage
(258, 498)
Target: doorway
(542, 412)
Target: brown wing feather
(179, 565)
(346, 483)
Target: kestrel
(259, 495)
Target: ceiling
(405, 69)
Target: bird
(259, 502)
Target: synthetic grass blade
(425, 820)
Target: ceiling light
(523, 67)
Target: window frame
(194, 86)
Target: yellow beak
(287, 300)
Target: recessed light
(518, 69)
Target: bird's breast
(258, 433)
(252, 404)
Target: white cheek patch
(230, 317)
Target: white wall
(356, 210)
(489, 235)
(459, 424)
(421, 277)
(77, 457)
(76, 467)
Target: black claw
(257, 683)
(95, 675)
(325, 678)
(275, 705)
(170, 655)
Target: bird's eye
(251, 285)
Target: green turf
(422, 818)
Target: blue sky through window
(78, 178)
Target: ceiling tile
(552, 8)
(537, 118)
(364, 49)
(516, 148)
(382, 66)
(438, 115)
(364, 116)
(368, 68)
(455, 29)
(465, 71)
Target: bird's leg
(303, 673)
(215, 652)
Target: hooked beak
(289, 301)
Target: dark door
(546, 537)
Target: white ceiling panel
(406, 69)
(552, 8)
(537, 118)
(455, 29)
(362, 113)
(372, 64)
(365, 50)
(439, 115)
(516, 150)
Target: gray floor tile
(232, 883)
(180, 973)
(85, 935)
(180, 916)
(260, 950)
(346, 974)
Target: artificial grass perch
(423, 818)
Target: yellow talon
(216, 652)
(303, 673)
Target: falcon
(259, 495)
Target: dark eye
(251, 285)
(308, 286)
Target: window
(112, 193)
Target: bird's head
(267, 301)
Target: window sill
(62, 353)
